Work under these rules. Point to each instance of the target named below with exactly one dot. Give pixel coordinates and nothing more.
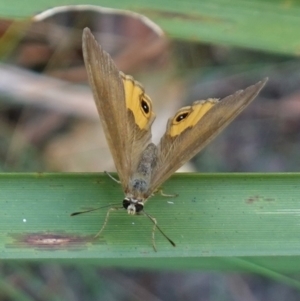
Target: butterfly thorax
(138, 187)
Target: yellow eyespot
(137, 102)
(187, 117)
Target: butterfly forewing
(126, 116)
(175, 150)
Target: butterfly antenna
(94, 209)
(153, 220)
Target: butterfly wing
(125, 110)
(192, 128)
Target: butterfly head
(133, 206)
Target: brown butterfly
(126, 115)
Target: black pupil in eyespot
(181, 117)
(145, 106)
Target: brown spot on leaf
(257, 198)
(50, 241)
(252, 199)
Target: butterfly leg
(155, 226)
(153, 231)
(106, 219)
(114, 179)
(153, 234)
(160, 191)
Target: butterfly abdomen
(141, 178)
